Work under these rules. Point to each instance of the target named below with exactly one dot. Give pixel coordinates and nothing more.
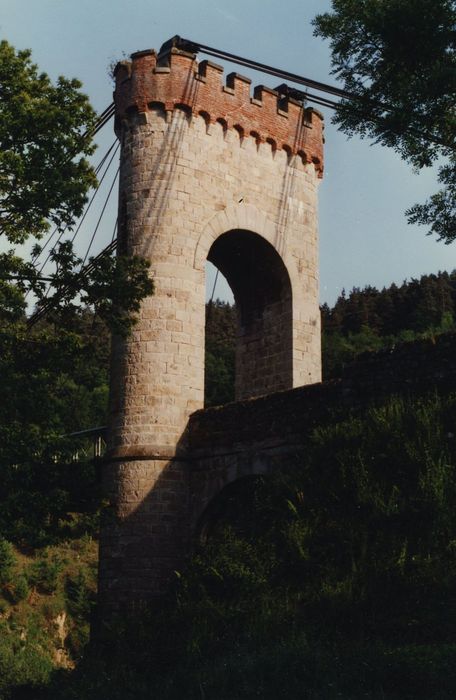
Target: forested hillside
(371, 319)
(57, 384)
(53, 382)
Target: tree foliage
(220, 349)
(54, 376)
(44, 174)
(397, 58)
(361, 320)
(45, 139)
(53, 384)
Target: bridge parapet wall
(288, 416)
(257, 436)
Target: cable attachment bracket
(176, 42)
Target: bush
(21, 588)
(44, 572)
(17, 590)
(7, 561)
(25, 660)
(78, 595)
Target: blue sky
(364, 237)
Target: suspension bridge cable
(105, 157)
(50, 237)
(101, 214)
(98, 188)
(100, 122)
(84, 272)
(114, 233)
(195, 47)
(45, 306)
(103, 114)
(85, 269)
(213, 288)
(379, 120)
(20, 277)
(81, 221)
(97, 170)
(209, 305)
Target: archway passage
(262, 292)
(237, 506)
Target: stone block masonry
(208, 171)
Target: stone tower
(208, 172)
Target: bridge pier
(207, 172)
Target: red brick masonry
(143, 84)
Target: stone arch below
(234, 497)
(212, 477)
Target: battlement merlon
(177, 80)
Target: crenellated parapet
(178, 80)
